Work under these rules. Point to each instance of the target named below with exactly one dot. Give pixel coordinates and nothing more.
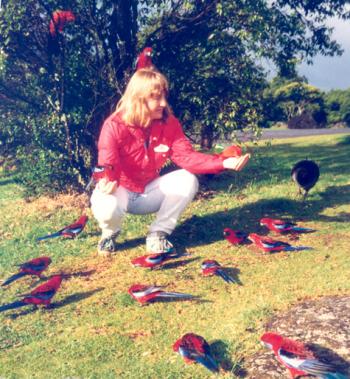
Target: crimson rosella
(268, 244)
(298, 358)
(41, 295)
(153, 260)
(70, 231)
(99, 172)
(194, 348)
(144, 60)
(59, 20)
(145, 294)
(211, 267)
(281, 226)
(33, 267)
(235, 237)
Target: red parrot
(194, 348)
(145, 294)
(144, 60)
(59, 20)
(235, 237)
(41, 295)
(281, 226)
(70, 231)
(298, 358)
(231, 151)
(100, 172)
(33, 267)
(211, 267)
(153, 260)
(268, 244)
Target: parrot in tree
(98, 173)
(281, 226)
(194, 348)
(154, 260)
(298, 358)
(41, 295)
(268, 244)
(59, 20)
(70, 231)
(33, 267)
(235, 237)
(144, 60)
(211, 267)
(145, 294)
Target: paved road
(290, 133)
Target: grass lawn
(96, 330)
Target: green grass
(96, 330)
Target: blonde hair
(132, 106)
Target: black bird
(305, 174)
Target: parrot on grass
(33, 267)
(194, 348)
(298, 358)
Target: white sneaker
(157, 242)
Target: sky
(331, 72)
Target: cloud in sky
(331, 72)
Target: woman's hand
(106, 186)
(236, 163)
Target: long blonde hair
(132, 106)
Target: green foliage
(296, 102)
(55, 92)
(338, 106)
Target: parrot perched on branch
(70, 231)
(144, 60)
(268, 244)
(59, 20)
(281, 226)
(145, 294)
(194, 348)
(33, 267)
(211, 267)
(235, 237)
(41, 295)
(298, 358)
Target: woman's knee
(181, 182)
(103, 206)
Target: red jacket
(134, 165)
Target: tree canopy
(56, 88)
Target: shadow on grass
(207, 229)
(4, 182)
(75, 298)
(222, 355)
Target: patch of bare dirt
(324, 324)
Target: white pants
(167, 195)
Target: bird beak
(226, 234)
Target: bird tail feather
(297, 248)
(176, 295)
(13, 305)
(208, 362)
(13, 278)
(53, 235)
(226, 277)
